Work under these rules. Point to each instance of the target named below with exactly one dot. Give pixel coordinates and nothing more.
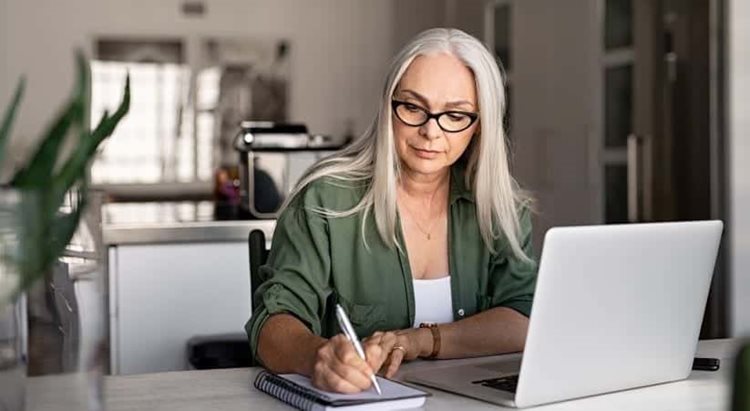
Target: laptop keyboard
(508, 383)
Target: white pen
(348, 330)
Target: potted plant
(35, 228)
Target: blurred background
(619, 111)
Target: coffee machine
(272, 159)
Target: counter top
(232, 389)
(173, 222)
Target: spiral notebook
(297, 391)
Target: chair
(231, 350)
(258, 254)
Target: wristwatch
(435, 339)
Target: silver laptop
(615, 307)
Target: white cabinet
(163, 294)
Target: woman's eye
(411, 107)
(456, 117)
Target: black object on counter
(219, 351)
(706, 364)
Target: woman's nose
(431, 129)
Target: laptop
(616, 307)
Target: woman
(417, 222)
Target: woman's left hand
(399, 346)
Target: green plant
(45, 231)
(741, 389)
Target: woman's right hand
(339, 368)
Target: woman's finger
(324, 377)
(327, 379)
(373, 340)
(378, 355)
(338, 368)
(394, 361)
(348, 364)
(375, 355)
(352, 375)
(344, 351)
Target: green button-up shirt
(316, 261)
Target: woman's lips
(427, 154)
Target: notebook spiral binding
(294, 395)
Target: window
(183, 118)
(155, 142)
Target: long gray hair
(371, 159)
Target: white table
(224, 390)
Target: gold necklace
(427, 233)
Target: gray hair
(372, 158)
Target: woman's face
(435, 83)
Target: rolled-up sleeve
(512, 280)
(295, 279)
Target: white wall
(738, 86)
(340, 48)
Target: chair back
(258, 255)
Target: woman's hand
(395, 347)
(339, 368)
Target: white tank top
(433, 302)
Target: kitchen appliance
(273, 157)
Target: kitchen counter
(175, 255)
(173, 222)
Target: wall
(3, 47)
(738, 127)
(340, 48)
(554, 119)
(4, 87)
(413, 16)
(467, 15)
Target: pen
(348, 330)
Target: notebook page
(391, 390)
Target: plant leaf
(76, 165)
(43, 162)
(39, 170)
(10, 115)
(46, 236)
(105, 116)
(104, 130)
(33, 224)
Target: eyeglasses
(449, 121)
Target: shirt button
(460, 312)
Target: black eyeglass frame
(396, 103)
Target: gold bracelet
(435, 339)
